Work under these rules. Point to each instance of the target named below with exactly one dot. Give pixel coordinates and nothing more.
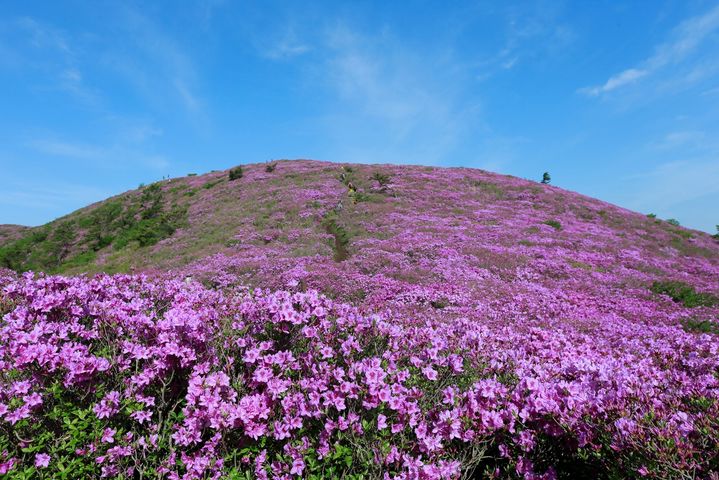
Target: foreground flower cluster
(129, 377)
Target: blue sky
(617, 100)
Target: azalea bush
(130, 377)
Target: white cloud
(685, 40)
(624, 78)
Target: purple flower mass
(457, 335)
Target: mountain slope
(370, 230)
(498, 328)
(405, 237)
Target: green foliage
(73, 243)
(381, 178)
(554, 224)
(80, 260)
(79, 428)
(358, 197)
(684, 233)
(270, 167)
(40, 249)
(673, 221)
(346, 177)
(69, 425)
(684, 293)
(151, 202)
(101, 223)
(652, 215)
(209, 185)
(15, 255)
(439, 303)
(149, 231)
(236, 173)
(191, 174)
(695, 325)
(341, 237)
(490, 188)
(716, 235)
(546, 178)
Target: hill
(296, 211)
(490, 323)
(378, 236)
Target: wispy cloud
(288, 46)
(390, 104)
(673, 183)
(684, 41)
(44, 36)
(154, 63)
(621, 79)
(36, 202)
(532, 30)
(66, 149)
(109, 157)
(682, 138)
(41, 47)
(206, 11)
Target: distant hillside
(9, 233)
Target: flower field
(321, 321)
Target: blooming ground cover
(366, 321)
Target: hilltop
(452, 239)
(405, 223)
(329, 320)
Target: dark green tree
(546, 178)
(236, 173)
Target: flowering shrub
(130, 377)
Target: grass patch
(695, 325)
(684, 293)
(582, 265)
(341, 237)
(209, 185)
(491, 189)
(554, 224)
